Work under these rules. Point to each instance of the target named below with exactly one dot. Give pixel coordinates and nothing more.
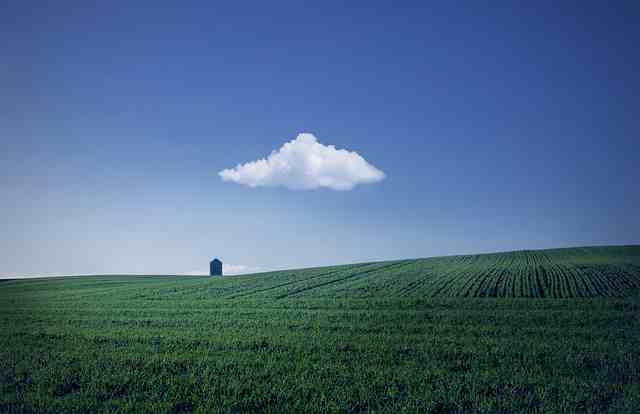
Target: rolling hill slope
(527, 331)
(557, 273)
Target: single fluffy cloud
(306, 164)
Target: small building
(215, 268)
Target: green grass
(529, 331)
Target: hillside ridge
(601, 271)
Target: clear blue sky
(498, 127)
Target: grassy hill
(527, 331)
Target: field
(527, 331)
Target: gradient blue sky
(499, 127)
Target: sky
(152, 138)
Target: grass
(529, 331)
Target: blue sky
(497, 128)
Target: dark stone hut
(215, 268)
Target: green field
(527, 331)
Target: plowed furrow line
(331, 282)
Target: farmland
(526, 331)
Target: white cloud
(306, 164)
(231, 269)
